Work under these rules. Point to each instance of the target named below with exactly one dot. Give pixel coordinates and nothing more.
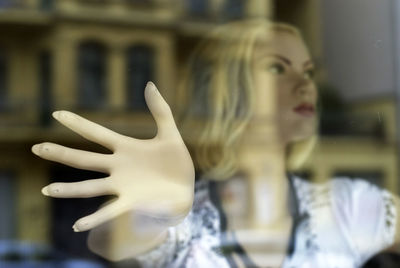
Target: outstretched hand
(153, 177)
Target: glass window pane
(45, 82)
(3, 80)
(7, 206)
(92, 81)
(140, 70)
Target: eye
(276, 68)
(309, 74)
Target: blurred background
(94, 57)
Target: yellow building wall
(118, 26)
(32, 209)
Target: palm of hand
(163, 185)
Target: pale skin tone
(144, 174)
(282, 67)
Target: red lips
(305, 109)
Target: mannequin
(154, 179)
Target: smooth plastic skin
(154, 177)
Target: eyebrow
(287, 61)
(282, 58)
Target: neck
(268, 190)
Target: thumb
(161, 111)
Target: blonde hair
(217, 89)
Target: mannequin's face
(283, 70)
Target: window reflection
(92, 75)
(45, 66)
(234, 9)
(45, 84)
(3, 79)
(7, 205)
(140, 70)
(198, 7)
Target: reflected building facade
(95, 57)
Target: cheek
(286, 99)
(266, 95)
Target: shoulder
(348, 190)
(367, 212)
(365, 203)
(363, 213)
(355, 200)
(343, 192)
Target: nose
(306, 88)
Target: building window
(45, 76)
(46, 4)
(7, 206)
(234, 9)
(197, 7)
(3, 80)
(92, 75)
(10, 3)
(140, 69)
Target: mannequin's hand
(153, 177)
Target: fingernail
(35, 149)
(41, 148)
(45, 191)
(63, 115)
(76, 230)
(56, 114)
(152, 86)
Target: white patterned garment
(345, 222)
(349, 221)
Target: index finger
(88, 129)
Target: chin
(300, 138)
(301, 133)
(297, 129)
